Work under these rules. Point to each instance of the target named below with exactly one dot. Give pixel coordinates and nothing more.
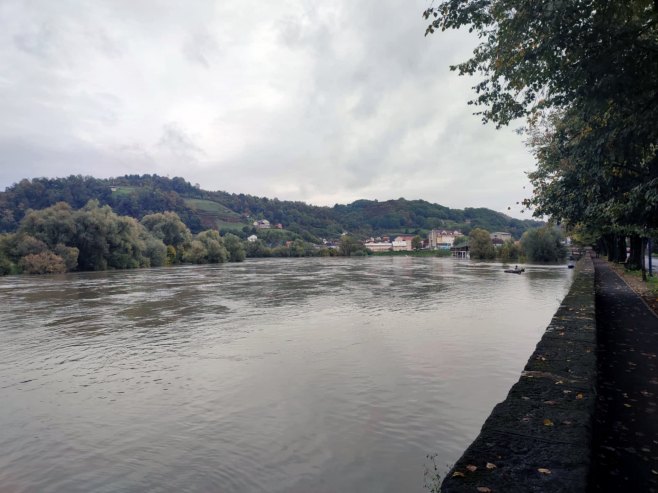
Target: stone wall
(538, 438)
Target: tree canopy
(480, 245)
(543, 244)
(60, 239)
(585, 76)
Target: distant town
(438, 239)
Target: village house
(379, 246)
(403, 243)
(442, 239)
(262, 224)
(252, 238)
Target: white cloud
(322, 102)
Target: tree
(214, 247)
(235, 248)
(155, 250)
(257, 249)
(349, 246)
(7, 264)
(584, 73)
(480, 245)
(106, 240)
(68, 254)
(543, 244)
(53, 225)
(509, 251)
(168, 227)
(196, 253)
(538, 55)
(461, 240)
(416, 242)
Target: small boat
(514, 271)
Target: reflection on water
(272, 375)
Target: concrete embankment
(539, 438)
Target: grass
(652, 281)
(210, 206)
(233, 226)
(124, 190)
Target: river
(272, 375)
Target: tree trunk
(609, 242)
(601, 247)
(635, 258)
(643, 251)
(621, 249)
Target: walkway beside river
(625, 438)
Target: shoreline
(539, 437)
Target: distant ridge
(138, 195)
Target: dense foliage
(543, 245)
(60, 239)
(480, 245)
(584, 74)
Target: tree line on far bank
(543, 244)
(60, 239)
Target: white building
(381, 246)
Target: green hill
(136, 196)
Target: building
(387, 246)
(403, 243)
(252, 238)
(262, 224)
(380, 246)
(442, 239)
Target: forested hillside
(138, 196)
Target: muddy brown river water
(273, 375)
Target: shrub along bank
(59, 239)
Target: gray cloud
(175, 140)
(318, 101)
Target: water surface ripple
(273, 375)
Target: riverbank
(538, 438)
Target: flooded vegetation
(271, 375)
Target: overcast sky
(320, 101)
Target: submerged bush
(43, 263)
